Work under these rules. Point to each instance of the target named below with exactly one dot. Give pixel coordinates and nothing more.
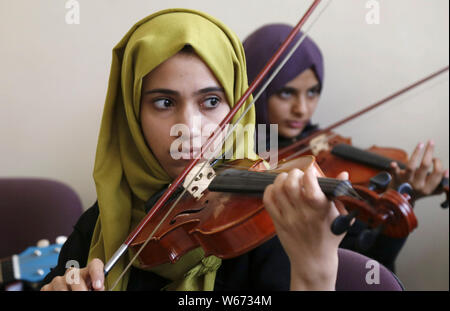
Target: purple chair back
(32, 209)
(358, 272)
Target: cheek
(215, 116)
(156, 134)
(277, 110)
(313, 107)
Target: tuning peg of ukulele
(380, 181)
(367, 238)
(43, 243)
(61, 239)
(343, 222)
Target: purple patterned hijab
(262, 44)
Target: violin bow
(402, 91)
(220, 128)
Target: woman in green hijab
(175, 67)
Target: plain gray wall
(54, 76)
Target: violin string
(263, 178)
(156, 228)
(275, 73)
(307, 148)
(402, 101)
(212, 158)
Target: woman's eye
(211, 102)
(314, 92)
(163, 103)
(285, 94)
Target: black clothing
(240, 273)
(308, 130)
(266, 267)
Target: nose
(299, 106)
(190, 116)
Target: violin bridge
(318, 144)
(201, 176)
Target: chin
(290, 133)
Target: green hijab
(126, 173)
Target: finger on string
(279, 194)
(435, 177)
(343, 175)
(269, 204)
(398, 173)
(413, 161)
(292, 186)
(427, 161)
(311, 190)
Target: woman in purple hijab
(299, 81)
(290, 101)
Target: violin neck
(365, 157)
(376, 161)
(242, 181)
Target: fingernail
(98, 284)
(420, 145)
(446, 173)
(431, 142)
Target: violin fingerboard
(351, 153)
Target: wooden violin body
(228, 224)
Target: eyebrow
(163, 91)
(294, 90)
(317, 86)
(172, 92)
(210, 89)
(288, 89)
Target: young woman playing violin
(290, 101)
(170, 68)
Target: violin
(229, 223)
(227, 218)
(175, 185)
(365, 167)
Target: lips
(295, 124)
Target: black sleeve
(270, 267)
(385, 249)
(266, 267)
(77, 244)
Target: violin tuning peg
(380, 181)
(343, 222)
(61, 239)
(367, 238)
(405, 188)
(43, 243)
(444, 204)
